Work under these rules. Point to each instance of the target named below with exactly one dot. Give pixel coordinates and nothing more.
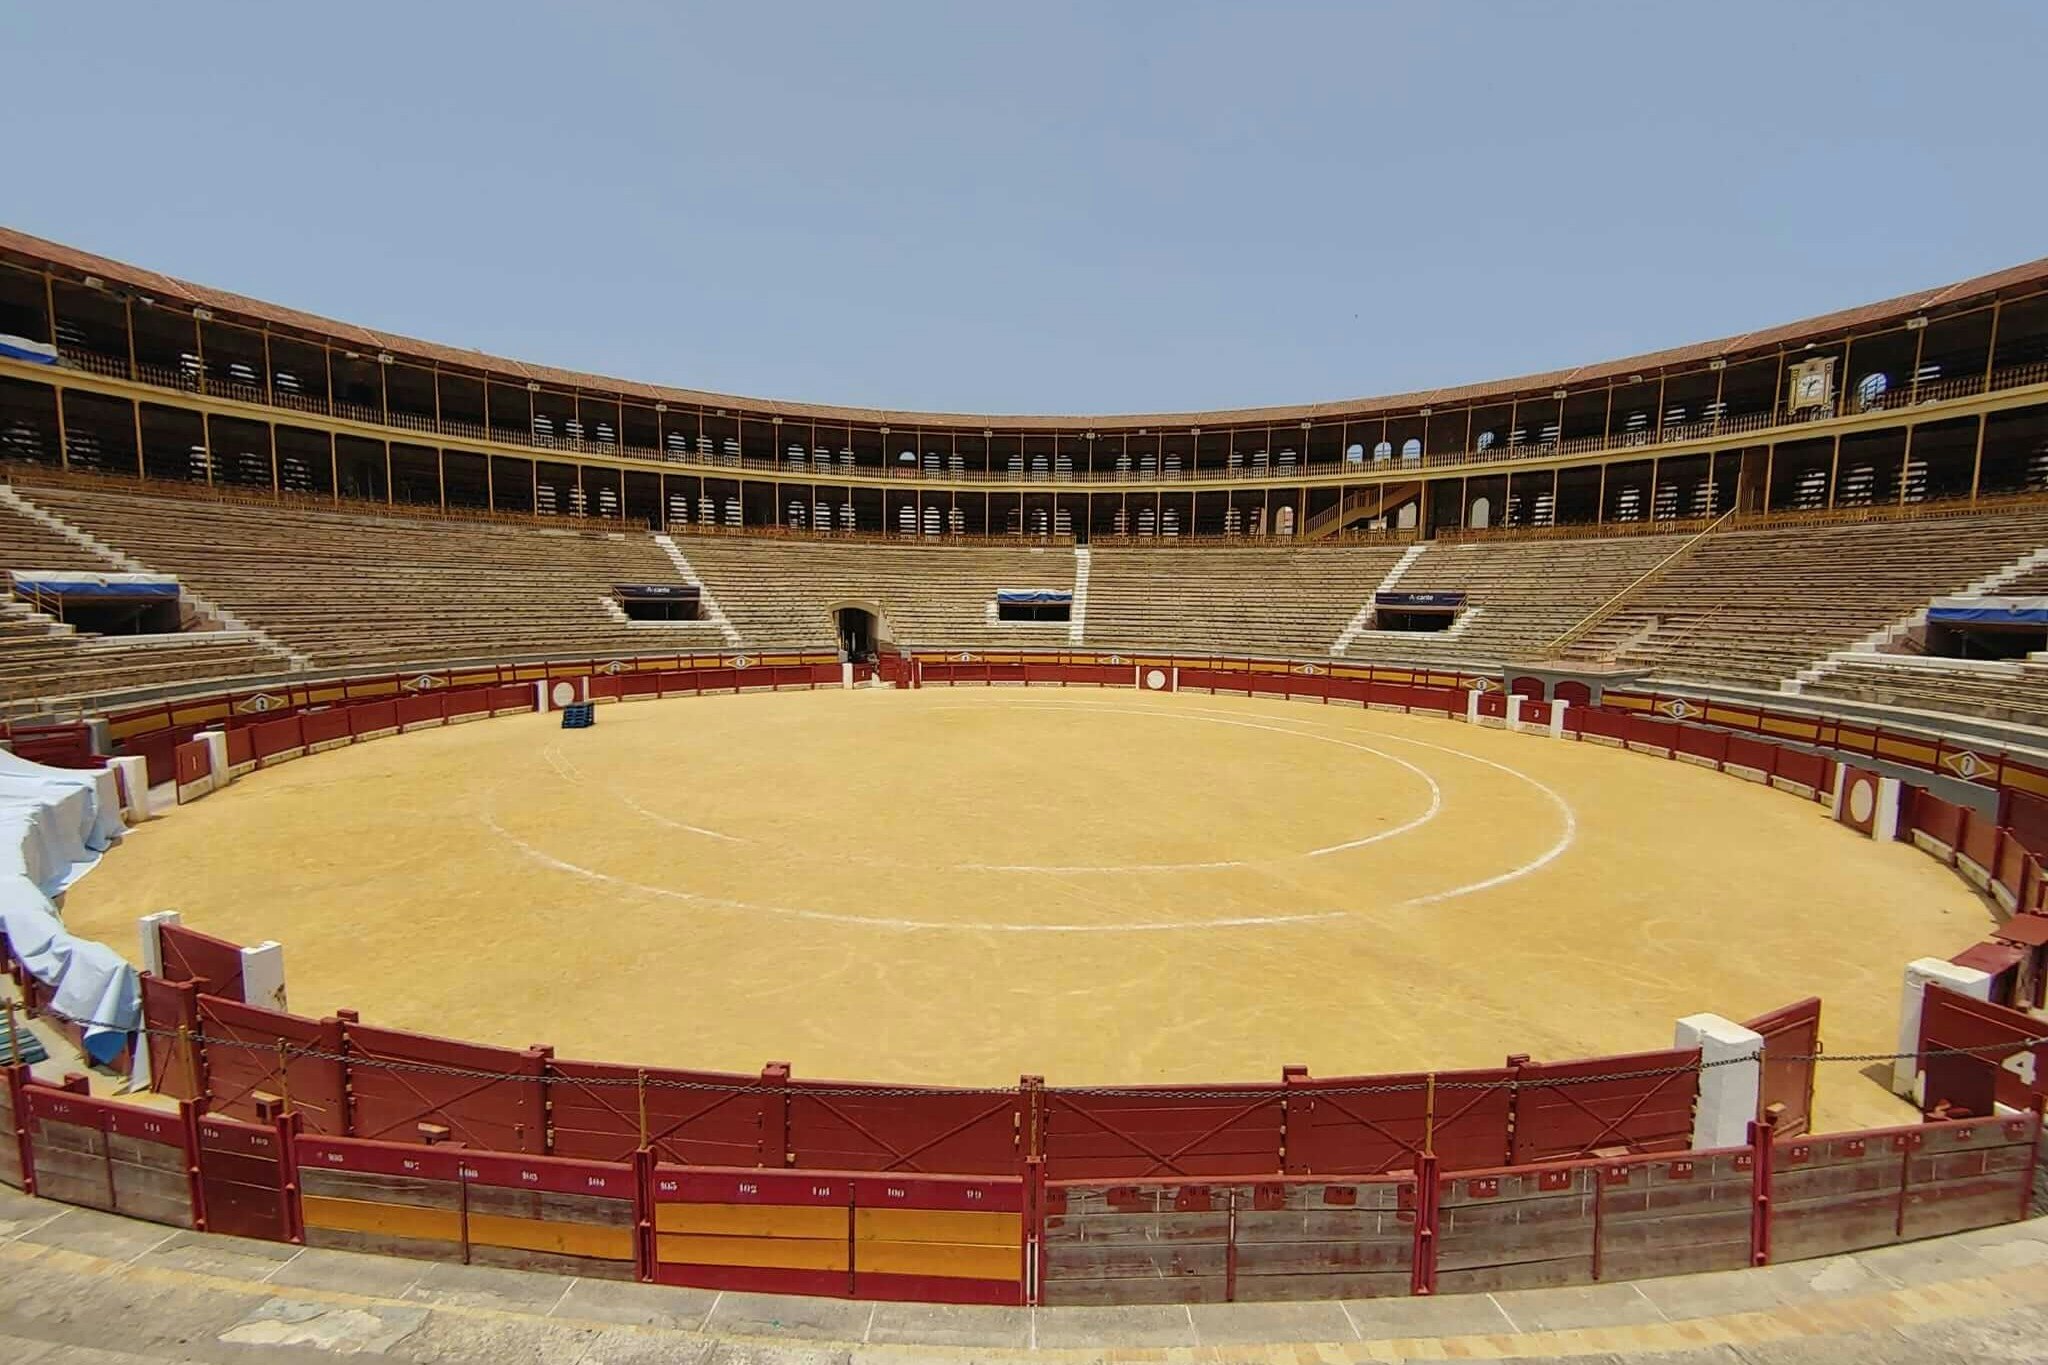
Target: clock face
(1812, 385)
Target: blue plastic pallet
(579, 716)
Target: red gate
(1791, 1044)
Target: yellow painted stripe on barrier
(939, 1258)
(396, 1220)
(140, 725)
(1622, 701)
(1899, 748)
(191, 715)
(566, 1239)
(2025, 779)
(530, 674)
(1804, 729)
(766, 1253)
(938, 1225)
(1721, 715)
(752, 1220)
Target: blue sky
(1046, 207)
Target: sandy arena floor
(961, 885)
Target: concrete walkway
(84, 1288)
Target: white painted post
(153, 946)
(846, 672)
(1962, 980)
(132, 771)
(1472, 706)
(217, 757)
(1557, 710)
(1886, 825)
(1729, 1088)
(1841, 792)
(1515, 700)
(540, 697)
(263, 975)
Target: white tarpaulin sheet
(54, 823)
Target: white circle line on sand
(568, 770)
(1557, 848)
(1429, 813)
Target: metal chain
(1310, 1089)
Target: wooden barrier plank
(766, 1253)
(937, 1225)
(751, 1220)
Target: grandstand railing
(1648, 441)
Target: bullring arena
(1568, 848)
(954, 886)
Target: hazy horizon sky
(1051, 208)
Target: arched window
(1481, 515)
(1870, 389)
(1354, 454)
(1283, 521)
(1405, 520)
(1411, 449)
(1486, 440)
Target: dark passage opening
(856, 633)
(1034, 611)
(660, 601)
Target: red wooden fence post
(1762, 1156)
(774, 1148)
(188, 1120)
(344, 1018)
(2033, 1156)
(1422, 1277)
(1034, 1231)
(1031, 1120)
(288, 1125)
(17, 1079)
(643, 1215)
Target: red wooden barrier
(241, 746)
(1233, 1130)
(421, 709)
(254, 1055)
(2001, 1069)
(834, 1126)
(276, 737)
(325, 726)
(214, 963)
(1560, 1113)
(372, 718)
(604, 1111)
(246, 1179)
(391, 1103)
(1462, 1116)
(1791, 1043)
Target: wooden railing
(189, 380)
(1650, 575)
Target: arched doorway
(862, 628)
(858, 631)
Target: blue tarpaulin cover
(1989, 611)
(1035, 596)
(21, 348)
(71, 583)
(54, 824)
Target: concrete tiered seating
(781, 594)
(1519, 595)
(44, 661)
(26, 543)
(348, 589)
(1209, 599)
(1755, 607)
(2015, 692)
